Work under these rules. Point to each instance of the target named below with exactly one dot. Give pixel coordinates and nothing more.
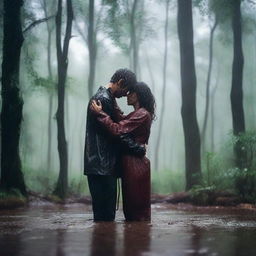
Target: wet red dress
(135, 170)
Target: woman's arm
(125, 126)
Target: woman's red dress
(135, 170)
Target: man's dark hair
(128, 77)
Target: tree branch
(36, 22)
(83, 35)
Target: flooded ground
(69, 230)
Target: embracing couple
(115, 146)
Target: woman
(135, 170)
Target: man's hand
(96, 106)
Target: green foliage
(202, 194)
(166, 182)
(11, 199)
(217, 172)
(39, 181)
(12, 192)
(222, 177)
(78, 185)
(248, 142)
(81, 9)
(117, 23)
(245, 183)
(44, 182)
(245, 179)
(37, 80)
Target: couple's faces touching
(123, 92)
(120, 90)
(132, 98)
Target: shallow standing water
(69, 230)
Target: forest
(197, 56)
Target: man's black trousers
(103, 190)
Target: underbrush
(220, 173)
(167, 181)
(43, 182)
(11, 199)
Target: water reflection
(129, 239)
(60, 250)
(196, 243)
(136, 238)
(65, 232)
(103, 241)
(9, 245)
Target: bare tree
(50, 89)
(208, 83)
(188, 85)
(164, 84)
(90, 20)
(62, 58)
(237, 83)
(12, 103)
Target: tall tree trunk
(208, 82)
(92, 49)
(150, 72)
(188, 85)
(50, 76)
(164, 85)
(237, 83)
(212, 111)
(12, 103)
(62, 57)
(133, 43)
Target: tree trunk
(188, 85)
(50, 76)
(62, 54)
(12, 103)
(207, 98)
(150, 72)
(164, 85)
(237, 83)
(133, 43)
(92, 49)
(212, 111)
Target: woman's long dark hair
(145, 97)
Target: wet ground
(69, 230)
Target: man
(103, 151)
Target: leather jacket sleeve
(133, 147)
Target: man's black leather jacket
(102, 151)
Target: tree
(86, 16)
(12, 103)
(188, 85)
(50, 80)
(208, 83)
(62, 59)
(164, 83)
(92, 48)
(236, 95)
(207, 8)
(126, 26)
